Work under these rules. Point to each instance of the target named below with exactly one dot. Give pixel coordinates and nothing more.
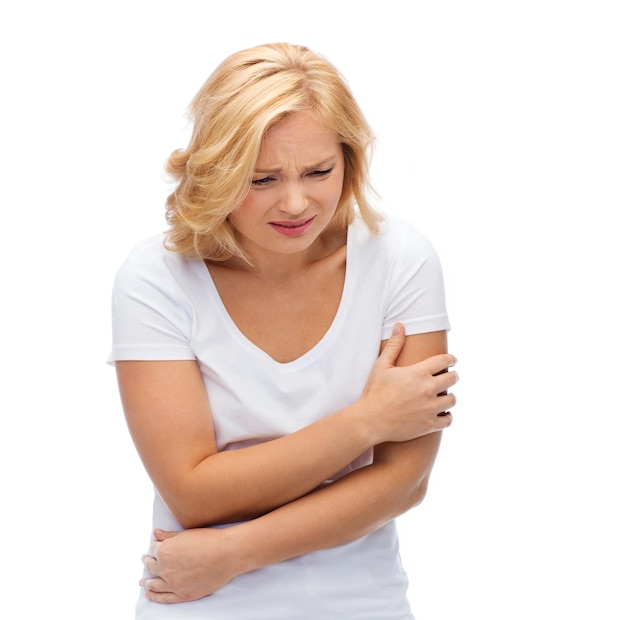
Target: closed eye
(320, 173)
(262, 182)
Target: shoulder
(410, 276)
(152, 278)
(146, 253)
(152, 313)
(150, 261)
(397, 239)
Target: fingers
(154, 584)
(154, 548)
(162, 535)
(438, 364)
(445, 402)
(151, 564)
(445, 419)
(445, 380)
(159, 591)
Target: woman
(281, 358)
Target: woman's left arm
(194, 563)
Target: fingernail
(396, 329)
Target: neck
(281, 268)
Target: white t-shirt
(166, 307)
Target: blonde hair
(246, 94)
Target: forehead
(300, 137)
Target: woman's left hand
(189, 565)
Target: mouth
(292, 229)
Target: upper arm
(169, 418)
(413, 460)
(161, 388)
(418, 347)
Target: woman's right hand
(189, 565)
(406, 402)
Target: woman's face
(296, 186)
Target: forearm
(255, 480)
(171, 423)
(170, 420)
(197, 562)
(401, 403)
(342, 511)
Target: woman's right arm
(170, 421)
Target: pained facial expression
(296, 186)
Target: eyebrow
(328, 162)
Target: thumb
(162, 535)
(394, 345)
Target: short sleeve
(151, 316)
(415, 292)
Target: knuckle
(168, 576)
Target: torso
(381, 286)
(284, 318)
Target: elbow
(195, 502)
(188, 520)
(186, 507)
(417, 494)
(190, 516)
(420, 493)
(185, 513)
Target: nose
(294, 200)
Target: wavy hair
(247, 93)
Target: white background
(501, 135)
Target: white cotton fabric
(166, 307)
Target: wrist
(266, 540)
(249, 550)
(366, 422)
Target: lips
(292, 229)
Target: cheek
(253, 206)
(335, 191)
